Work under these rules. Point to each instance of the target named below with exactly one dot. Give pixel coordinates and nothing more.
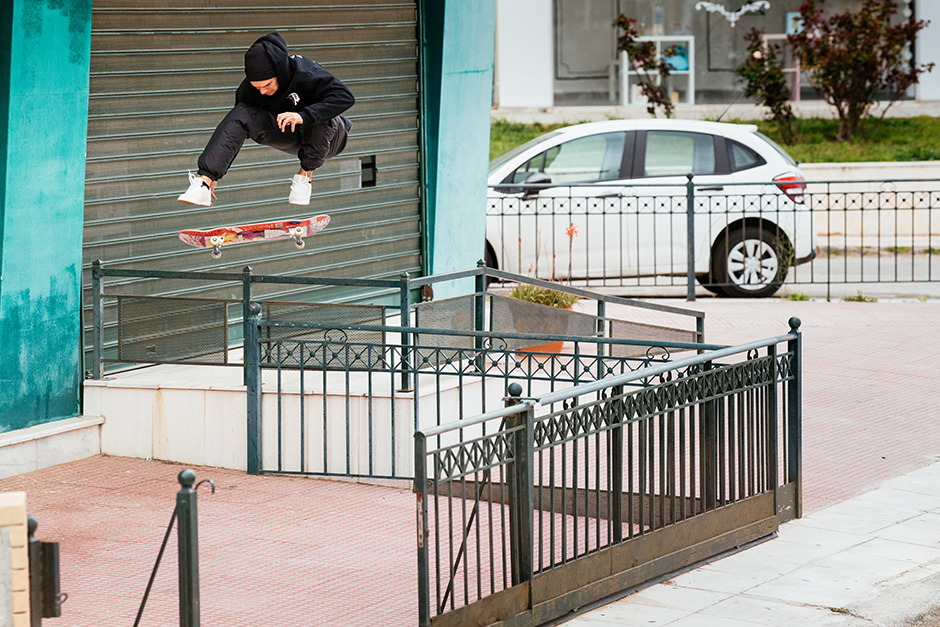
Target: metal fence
(347, 384)
(130, 329)
(551, 503)
(347, 397)
(740, 239)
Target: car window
(508, 156)
(675, 153)
(783, 153)
(742, 157)
(582, 160)
(528, 168)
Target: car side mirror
(536, 178)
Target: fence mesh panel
(624, 330)
(332, 353)
(511, 315)
(167, 330)
(454, 314)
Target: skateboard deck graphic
(264, 231)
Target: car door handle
(611, 195)
(711, 189)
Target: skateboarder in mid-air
(286, 102)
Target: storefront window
(587, 64)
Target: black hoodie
(304, 86)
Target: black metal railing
(741, 239)
(129, 328)
(345, 399)
(350, 383)
(554, 502)
(350, 419)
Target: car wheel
(748, 263)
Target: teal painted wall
(458, 85)
(45, 104)
(6, 34)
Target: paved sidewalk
(273, 551)
(289, 551)
(873, 560)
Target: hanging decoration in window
(732, 16)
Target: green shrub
(543, 296)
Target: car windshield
(500, 160)
(778, 148)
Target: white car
(607, 200)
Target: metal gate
(555, 502)
(164, 74)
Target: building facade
(107, 103)
(564, 52)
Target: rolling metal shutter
(164, 73)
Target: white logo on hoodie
(294, 98)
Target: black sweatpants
(312, 143)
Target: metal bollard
(185, 512)
(188, 547)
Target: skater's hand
(289, 118)
(212, 189)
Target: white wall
(928, 48)
(524, 53)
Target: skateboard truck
(297, 233)
(216, 242)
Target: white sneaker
(198, 192)
(299, 190)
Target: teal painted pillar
(44, 101)
(458, 39)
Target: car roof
(747, 134)
(719, 128)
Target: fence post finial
(187, 478)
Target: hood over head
(267, 58)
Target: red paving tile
(273, 550)
(289, 551)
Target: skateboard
(264, 231)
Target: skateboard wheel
(297, 231)
(215, 240)
(299, 243)
(216, 253)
